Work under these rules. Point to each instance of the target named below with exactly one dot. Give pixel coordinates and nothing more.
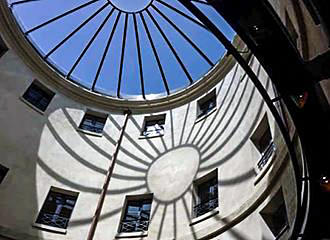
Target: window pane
(207, 196)
(154, 126)
(38, 97)
(93, 123)
(136, 216)
(57, 209)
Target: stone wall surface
(44, 150)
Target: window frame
(196, 199)
(134, 198)
(267, 152)
(51, 228)
(5, 171)
(45, 93)
(211, 96)
(273, 206)
(96, 115)
(3, 47)
(158, 117)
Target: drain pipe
(107, 181)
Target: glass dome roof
(123, 48)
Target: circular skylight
(123, 48)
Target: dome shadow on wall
(197, 139)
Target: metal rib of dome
(122, 48)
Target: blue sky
(46, 38)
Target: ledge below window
(89, 132)
(281, 233)
(152, 136)
(132, 235)
(31, 105)
(265, 169)
(204, 216)
(49, 228)
(205, 116)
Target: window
(153, 126)
(205, 194)
(275, 215)
(262, 139)
(3, 172)
(38, 96)
(57, 208)
(93, 122)
(137, 214)
(206, 104)
(3, 47)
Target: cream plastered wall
(44, 150)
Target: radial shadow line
(154, 211)
(218, 110)
(163, 142)
(220, 106)
(101, 151)
(184, 123)
(234, 127)
(162, 223)
(66, 181)
(190, 133)
(234, 111)
(129, 154)
(231, 134)
(148, 140)
(192, 229)
(174, 221)
(134, 168)
(129, 178)
(224, 114)
(76, 223)
(238, 179)
(126, 190)
(80, 187)
(172, 128)
(72, 153)
(239, 145)
(86, 139)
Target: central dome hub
(171, 175)
(130, 6)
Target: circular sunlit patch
(171, 175)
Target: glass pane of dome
(123, 48)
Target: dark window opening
(262, 139)
(275, 214)
(3, 172)
(137, 216)
(206, 104)
(154, 126)
(57, 208)
(93, 122)
(206, 194)
(3, 47)
(38, 96)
